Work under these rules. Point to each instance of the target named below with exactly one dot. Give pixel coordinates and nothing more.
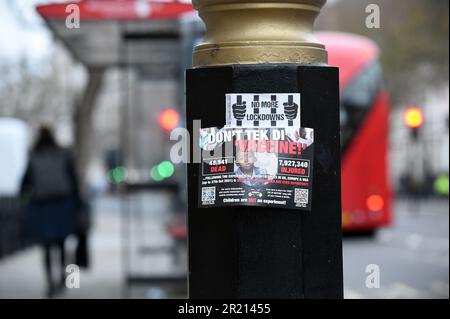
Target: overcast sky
(22, 32)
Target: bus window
(357, 99)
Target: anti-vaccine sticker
(270, 167)
(263, 110)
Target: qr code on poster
(301, 196)
(208, 195)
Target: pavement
(115, 242)
(412, 256)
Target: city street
(122, 119)
(413, 258)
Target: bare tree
(36, 96)
(52, 97)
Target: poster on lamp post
(270, 167)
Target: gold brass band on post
(253, 32)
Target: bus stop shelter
(154, 37)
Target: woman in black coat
(50, 190)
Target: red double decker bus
(366, 189)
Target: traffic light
(413, 118)
(118, 175)
(162, 171)
(168, 119)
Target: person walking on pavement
(50, 190)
